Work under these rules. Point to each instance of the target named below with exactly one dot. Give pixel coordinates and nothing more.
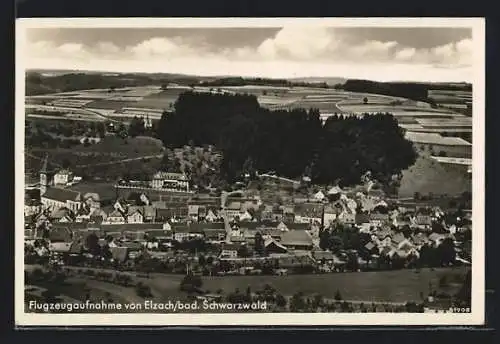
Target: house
(266, 213)
(121, 205)
(384, 239)
(423, 221)
(282, 227)
(170, 180)
(92, 200)
(62, 215)
(288, 215)
(59, 198)
(378, 218)
(253, 204)
(362, 219)
(273, 246)
(347, 218)
(308, 212)
(330, 215)
(246, 216)
(323, 256)
(184, 232)
(229, 251)
(319, 196)
(135, 215)
(211, 215)
(334, 193)
(401, 221)
(144, 199)
(63, 177)
(297, 240)
(32, 206)
(436, 239)
(371, 248)
(214, 231)
(115, 217)
(233, 210)
(83, 215)
(149, 213)
(99, 215)
(193, 212)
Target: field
(382, 286)
(411, 115)
(429, 176)
(106, 191)
(456, 100)
(268, 96)
(111, 153)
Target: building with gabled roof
(54, 198)
(297, 239)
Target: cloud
(405, 54)
(108, 48)
(299, 43)
(290, 52)
(374, 50)
(162, 47)
(71, 48)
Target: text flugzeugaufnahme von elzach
(147, 305)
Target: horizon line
(243, 76)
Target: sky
(439, 54)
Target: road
(69, 109)
(124, 160)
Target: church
(63, 177)
(52, 195)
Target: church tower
(44, 176)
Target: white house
(115, 217)
(135, 216)
(319, 196)
(170, 180)
(211, 217)
(63, 177)
(245, 216)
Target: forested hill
(36, 83)
(292, 143)
(411, 90)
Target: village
(166, 227)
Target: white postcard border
(476, 317)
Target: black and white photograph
(250, 171)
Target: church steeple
(44, 175)
(44, 168)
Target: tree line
(292, 143)
(239, 81)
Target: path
(123, 160)
(67, 108)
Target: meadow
(111, 154)
(429, 176)
(380, 286)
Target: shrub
(191, 283)
(143, 290)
